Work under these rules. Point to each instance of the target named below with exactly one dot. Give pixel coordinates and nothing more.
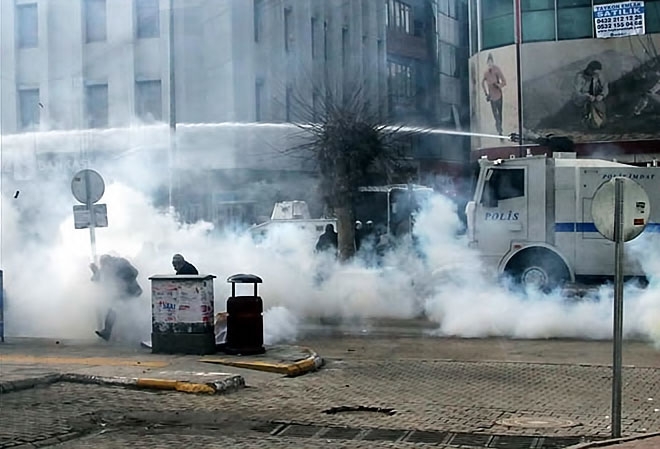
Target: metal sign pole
(2, 308)
(618, 308)
(92, 217)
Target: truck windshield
(504, 184)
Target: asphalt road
(380, 387)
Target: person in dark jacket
(182, 266)
(359, 234)
(119, 278)
(327, 240)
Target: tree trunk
(345, 230)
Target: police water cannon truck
(530, 218)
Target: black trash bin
(245, 321)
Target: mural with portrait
(493, 96)
(593, 89)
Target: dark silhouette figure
(327, 240)
(182, 266)
(119, 278)
(359, 234)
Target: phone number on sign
(613, 23)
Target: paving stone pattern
(427, 396)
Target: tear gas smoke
(49, 292)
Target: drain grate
(383, 435)
(513, 442)
(267, 427)
(418, 436)
(341, 433)
(559, 442)
(300, 430)
(470, 439)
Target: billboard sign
(619, 19)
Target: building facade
(575, 80)
(104, 66)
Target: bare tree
(350, 146)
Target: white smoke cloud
(49, 292)
(466, 302)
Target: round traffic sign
(636, 209)
(87, 186)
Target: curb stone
(312, 362)
(230, 384)
(233, 383)
(26, 384)
(52, 441)
(607, 443)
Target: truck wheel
(539, 268)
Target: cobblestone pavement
(425, 392)
(219, 441)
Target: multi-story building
(573, 77)
(103, 66)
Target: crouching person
(118, 279)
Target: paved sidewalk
(29, 362)
(651, 441)
(373, 392)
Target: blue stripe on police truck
(590, 227)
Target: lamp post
(518, 17)
(172, 115)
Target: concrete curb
(232, 383)
(26, 384)
(606, 443)
(311, 363)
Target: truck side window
(504, 184)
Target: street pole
(172, 148)
(618, 308)
(518, 14)
(92, 217)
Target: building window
(497, 22)
(574, 19)
(474, 28)
(28, 108)
(447, 55)
(95, 20)
(257, 18)
(652, 14)
(147, 13)
(96, 105)
(259, 100)
(288, 103)
(344, 45)
(399, 16)
(315, 106)
(313, 36)
(27, 25)
(325, 40)
(287, 29)
(538, 20)
(400, 80)
(148, 100)
(448, 8)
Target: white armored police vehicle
(389, 207)
(295, 214)
(530, 217)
